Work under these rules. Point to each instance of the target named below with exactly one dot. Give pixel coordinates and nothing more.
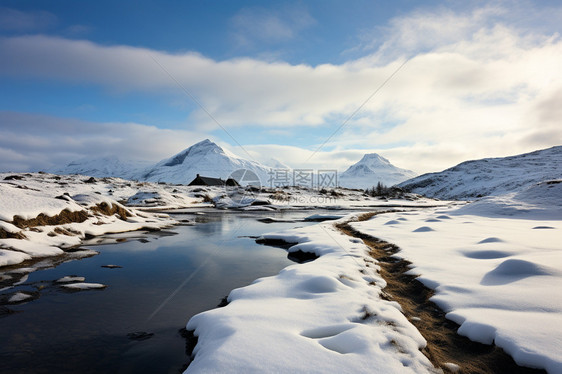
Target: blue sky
(97, 78)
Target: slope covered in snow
(43, 215)
(494, 265)
(489, 176)
(324, 316)
(328, 315)
(370, 170)
(109, 166)
(205, 158)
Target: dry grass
(110, 210)
(444, 345)
(67, 216)
(11, 235)
(63, 217)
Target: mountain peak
(373, 168)
(372, 158)
(205, 158)
(202, 148)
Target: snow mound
(324, 316)
(493, 274)
(513, 270)
(541, 200)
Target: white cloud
(475, 86)
(36, 142)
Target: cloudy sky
(314, 84)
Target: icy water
(165, 279)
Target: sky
(314, 84)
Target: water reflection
(87, 331)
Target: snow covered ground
(489, 176)
(43, 214)
(494, 265)
(324, 316)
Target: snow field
(318, 317)
(50, 195)
(498, 277)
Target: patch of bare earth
(444, 345)
(62, 218)
(11, 235)
(109, 210)
(67, 216)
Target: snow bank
(324, 316)
(30, 202)
(35, 221)
(495, 266)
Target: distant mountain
(205, 158)
(109, 166)
(276, 164)
(370, 170)
(490, 176)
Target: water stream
(164, 279)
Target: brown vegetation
(109, 210)
(444, 345)
(11, 235)
(66, 216)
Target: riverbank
(491, 266)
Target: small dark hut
(209, 181)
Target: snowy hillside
(490, 176)
(276, 164)
(110, 166)
(372, 169)
(205, 158)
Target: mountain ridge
(204, 158)
(489, 176)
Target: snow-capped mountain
(109, 166)
(276, 164)
(205, 158)
(370, 170)
(490, 176)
